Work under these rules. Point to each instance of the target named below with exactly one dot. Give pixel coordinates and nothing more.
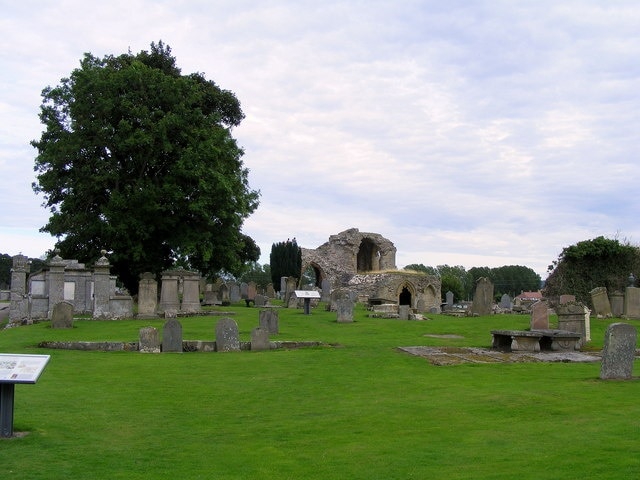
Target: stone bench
(535, 340)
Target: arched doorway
(405, 297)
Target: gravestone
(172, 336)
(632, 302)
(539, 316)
(261, 301)
(169, 297)
(210, 296)
(271, 292)
(483, 297)
(567, 298)
(147, 296)
(600, 301)
(403, 312)
(619, 351)
(325, 294)
(505, 302)
(227, 335)
(149, 341)
(225, 299)
(244, 291)
(344, 307)
(617, 304)
(269, 320)
(234, 292)
(252, 290)
(449, 297)
(190, 292)
(259, 339)
(62, 315)
(571, 317)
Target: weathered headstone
(234, 292)
(619, 351)
(449, 299)
(252, 290)
(271, 292)
(566, 298)
(227, 335)
(403, 312)
(261, 300)
(190, 292)
(571, 317)
(62, 316)
(539, 316)
(483, 297)
(244, 291)
(600, 301)
(344, 307)
(269, 320)
(147, 296)
(149, 341)
(505, 302)
(632, 302)
(617, 304)
(259, 339)
(169, 297)
(325, 294)
(172, 336)
(224, 294)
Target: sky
(473, 133)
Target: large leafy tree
(138, 159)
(599, 262)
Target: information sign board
(16, 368)
(307, 294)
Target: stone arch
(368, 257)
(320, 275)
(406, 294)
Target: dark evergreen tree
(285, 261)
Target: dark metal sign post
(16, 369)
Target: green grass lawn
(358, 410)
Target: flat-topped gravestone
(62, 316)
(269, 320)
(567, 298)
(619, 351)
(227, 335)
(632, 302)
(147, 296)
(344, 307)
(403, 312)
(149, 340)
(261, 300)
(172, 336)
(600, 301)
(539, 316)
(259, 339)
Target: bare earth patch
(458, 355)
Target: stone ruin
(365, 264)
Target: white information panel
(307, 294)
(15, 368)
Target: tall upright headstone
(539, 316)
(224, 294)
(18, 306)
(172, 336)
(344, 307)
(600, 301)
(234, 292)
(56, 282)
(619, 351)
(190, 292)
(147, 296)
(571, 317)
(252, 290)
(483, 297)
(449, 299)
(227, 335)
(169, 296)
(617, 304)
(505, 302)
(632, 303)
(101, 287)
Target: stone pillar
(101, 287)
(190, 292)
(56, 282)
(18, 308)
(169, 299)
(147, 296)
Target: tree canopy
(285, 261)
(138, 159)
(599, 262)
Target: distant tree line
(510, 279)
